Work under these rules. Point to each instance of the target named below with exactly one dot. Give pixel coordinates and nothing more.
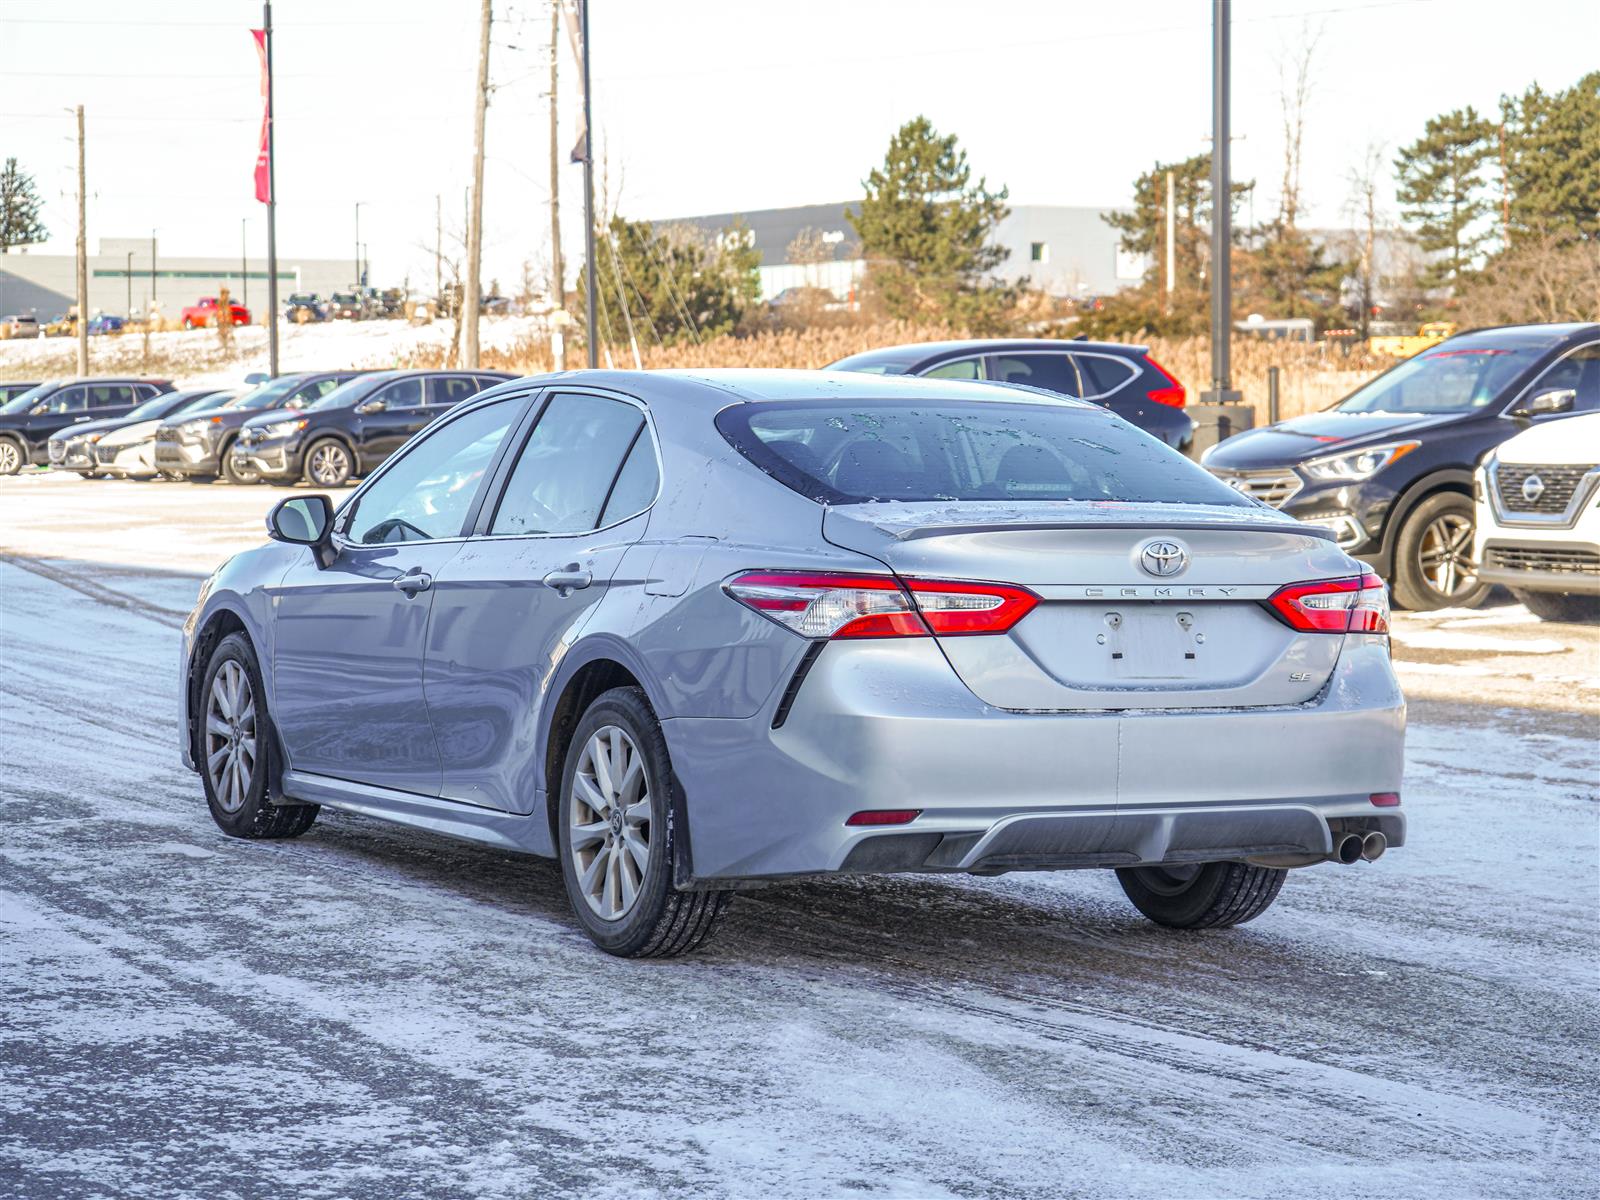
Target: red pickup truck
(198, 316)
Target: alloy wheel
(10, 458)
(609, 822)
(231, 736)
(330, 464)
(1444, 554)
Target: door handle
(568, 579)
(412, 584)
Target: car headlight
(277, 429)
(194, 430)
(1354, 465)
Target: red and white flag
(264, 152)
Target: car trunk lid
(1108, 633)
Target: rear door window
(568, 466)
(1103, 374)
(451, 389)
(402, 393)
(637, 482)
(1052, 372)
(842, 452)
(110, 395)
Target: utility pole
(558, 270)
(1172, 242)
(1221, 213)
(244, 260)
(128, 274)
(438, 250)
(357, 281)
(83, 258)
(469, 340)
(152, 267)
(591, 278)
(272, 204)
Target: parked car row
(1401, 473)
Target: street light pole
(590, 280)
(359, 203)
(129, 274)
(272, 202)
(244, 260)
(1221, 213)
(152, 267)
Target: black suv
(28, 420)
(1389, 468)
(1124, 379)
(196, 444)
(352, 429)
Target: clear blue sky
(710, 106)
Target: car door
(348, 638)
(388, 418)
(508, 606)
(61, 408)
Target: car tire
(603, 822)
(329, 463)
(1433, 556)
(1212, 895)
(1560, 606)
(235, 475)
(235, 747)
(171, 476)
(12, 456)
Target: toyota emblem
(1163, 559)
(1532, 488)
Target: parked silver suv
(686, 631)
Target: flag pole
(272, 207)
(588, 200)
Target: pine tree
(927, 232)
(1442, 191)
(1553, 160)
(670, 284)
(19, 209)
(1143, 229)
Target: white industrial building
(127, 274)
(1064, 251)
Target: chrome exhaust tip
(1373, 846)
(1346, 848)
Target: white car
(1538, 526)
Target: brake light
(1359, 604)
(884, 816)
(1173, 394)
(1385, 799)
(878, 606)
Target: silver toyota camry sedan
(689, 632)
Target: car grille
(1542, 558)
(58, 451)
(167, 435)
(1558, 482)
(1275, 487)
(105, 454)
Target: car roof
(1531, 337)
(714, 388)
(926, 350)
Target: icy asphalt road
(375, 1012)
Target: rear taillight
(1359, 604)
(877, 606)
(884, 816)
(1172, 394)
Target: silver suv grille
(1537, 489)
(1275, 487)
(58, 451)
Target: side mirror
(371, 406)
(304, 521)
(1556, 400)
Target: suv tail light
(1173, 393)
(873, 606)
(1359, 604)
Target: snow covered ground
(373, 1012)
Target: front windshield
(23, 402)
(1440, 381)
(876, 362)
(344, 395)
(203, 400)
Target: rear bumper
(888, 725)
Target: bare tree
(1361, 207)
(1295, 87)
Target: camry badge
(1163, 559)
(1532, 488)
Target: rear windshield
(841, 452)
